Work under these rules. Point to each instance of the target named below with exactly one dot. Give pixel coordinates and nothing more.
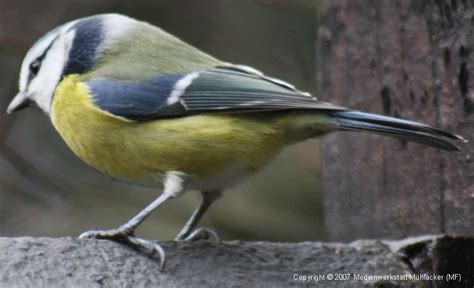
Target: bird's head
(72, 48)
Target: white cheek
(34, 53)
(23, 77)
(44, 85)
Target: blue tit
(144, 107)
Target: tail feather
(399, 128)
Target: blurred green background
(46, 191)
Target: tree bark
(409, 59)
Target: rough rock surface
(68, 262)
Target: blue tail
(399, 128)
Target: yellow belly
(199, 146)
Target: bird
(144, 107)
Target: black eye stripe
(36, 64)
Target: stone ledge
(70, 262)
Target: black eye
(35, 67)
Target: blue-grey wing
(222, 89)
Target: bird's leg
(174, 186)
(125, 233)
(188, 233)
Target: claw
(128, 237)
(150, 247)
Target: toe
(88, 235)
(114, 234)
(203, 234)
(127, 237)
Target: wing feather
(221, 89)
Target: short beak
(20, 101)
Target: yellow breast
(199, 146)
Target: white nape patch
(180, 87)
(115, 26)
(175, 184)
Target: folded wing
(231, 89)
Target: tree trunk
(408, 59)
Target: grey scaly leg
(174, 186)
(188, 233)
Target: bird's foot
(203, 233)
(124, 235)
